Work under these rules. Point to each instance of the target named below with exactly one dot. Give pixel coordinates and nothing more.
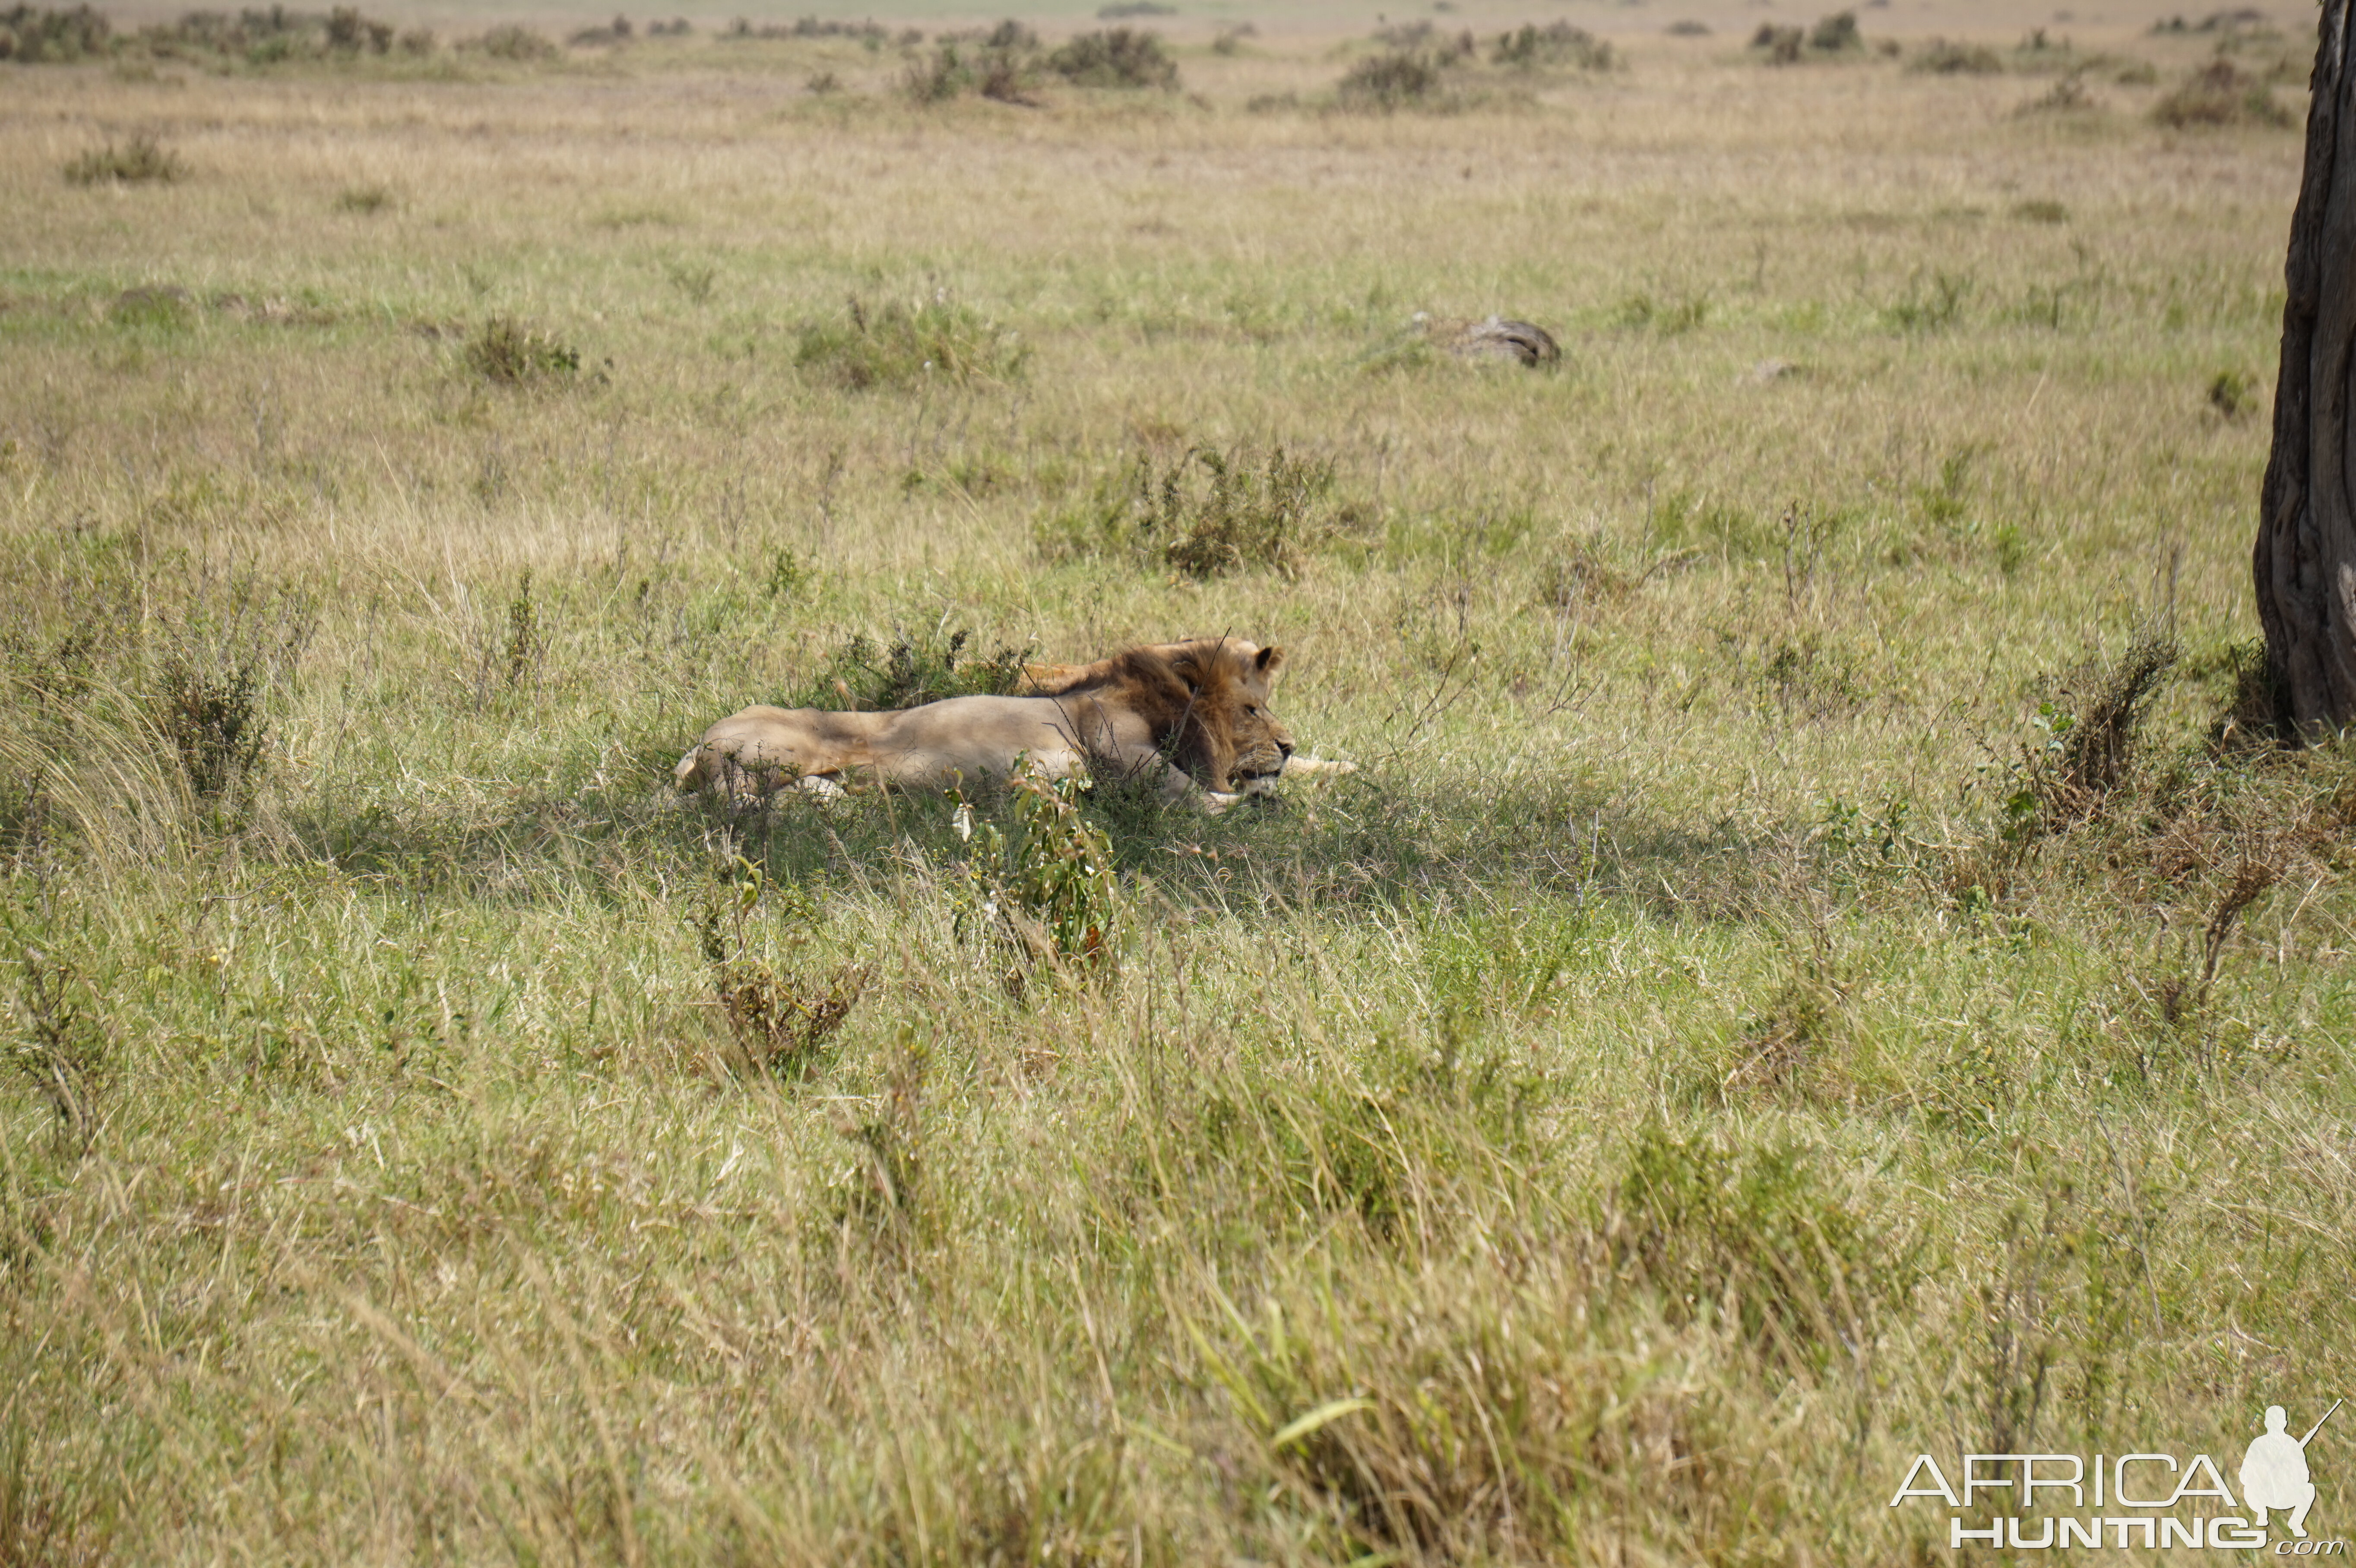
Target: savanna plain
(1820, 959)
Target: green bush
(914, 668)
(2220, 95)
(1531, 46)
(1207, 514)
(514, 43)
(1117, 57)
(31, 36)
(511, 354)
(1397, 78)
(1941, 56)
(896, 345)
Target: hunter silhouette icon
(2274, 1471)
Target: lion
(1193, 717)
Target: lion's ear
(1271, 660)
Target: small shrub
(822, 83)
(2089, 732)
(2220, 95)
(1671, 317)
(219, 667)
(2041, 211)
(167, 308)
(1942, 57)
(348, 32)
(1781, 45)
(897, 344)
(1048, 892)
(140, 161)
(1397, 78)
(1230, 40)
(916, 668)
(516, 43)
(527, 639)
(2066, 96)
(364, 199)
(63, 1048)
(1001, 64)
(779, 1018)
(1124, 9)
(1689, 28)
(1531, 48)
(2232, 394)
(1835, 34)
(617, 31)
(1207, 514)
(2183, 999)
(507, 352)
(1930, 304)
(1120, 56)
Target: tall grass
(1820, 961)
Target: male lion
(1192, 715)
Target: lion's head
(1207, 704)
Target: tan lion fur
(1192, 715)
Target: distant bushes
(874, 34)
(1533, 47)
(2220, 94)
(32, 37)
(1942, 57)
(1117, 57)
(1418, 68)
(1835, 34)
(517, 44)
(1001, 64)
(1008, 62)
(1396, 78)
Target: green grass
(1734, 1032)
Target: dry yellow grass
(1673, 1082)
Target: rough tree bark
(2305, 560)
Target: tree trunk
(2305, 560)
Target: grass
(140, 160)
(1797, 980)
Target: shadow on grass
(1369, 840)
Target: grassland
(1733, 1034)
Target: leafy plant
(779, 1016)
(511, 354)
(915, 667)
(1048, 892)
